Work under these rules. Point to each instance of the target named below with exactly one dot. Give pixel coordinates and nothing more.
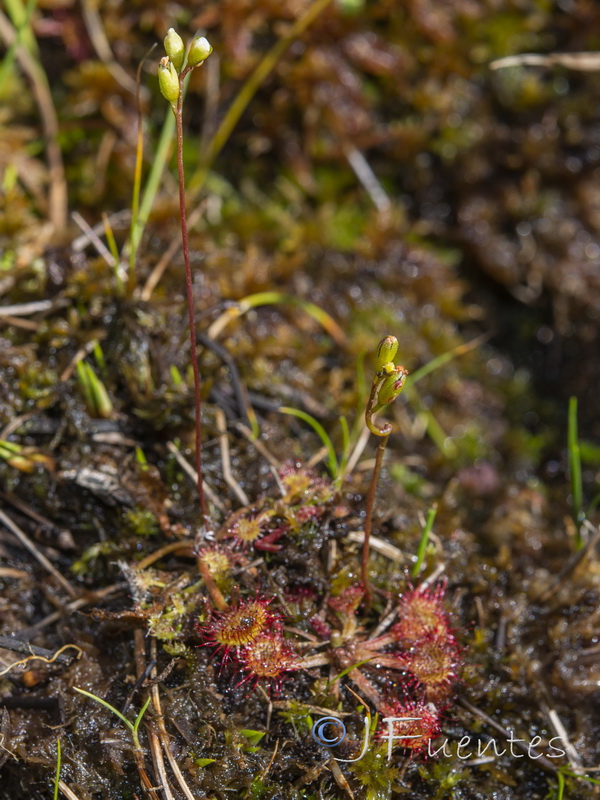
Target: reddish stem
(369, 519)
(190, 296)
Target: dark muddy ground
(383, 179)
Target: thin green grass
(332, 461)
(99, 357)
(21, 19)
(346, 449)
(569, 774)
(346, 671)
(574, 465)
(140, 458)
(58, 766)
(133, 727)
(280, 298)
(95, 396)
(432, 426)
(424, 541)
(114, 251)
(159, 162)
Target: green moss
(141, 522)
(375, 774)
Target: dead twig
(9, 572)
(184, 544)
(25, 309)
(356, 452)
(15, 424)
(539, 758)
(380, 546)
(100, 42)
(570, 566)
(162, 732)
(79, 356)
(583, 62)
(94, 239)
(364, 172)
(71, 607)
(575, 759)
(226, 461)
(117, 220)
(68, 793)
(139, 655)
(187, 468)
(34, 515)
(17, 322)
(36, 553)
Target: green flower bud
(391, 387)
(168, 80)
(200, 50)
(386, 353)
(175, 48)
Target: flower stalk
(172, 72)
(388, 382)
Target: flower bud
(391, 387)
(200, 50)
(174, 48)
(386, 353)
(168, 80)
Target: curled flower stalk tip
(388, 382)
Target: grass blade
(163, 152)
(444, 358)
(136, 724)
(574, 465)
(104, 703)
(332, 461)
(424, 541)
(58, 766)
(21, 29)
(134, 238)
(346, 449)
(278, 298)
